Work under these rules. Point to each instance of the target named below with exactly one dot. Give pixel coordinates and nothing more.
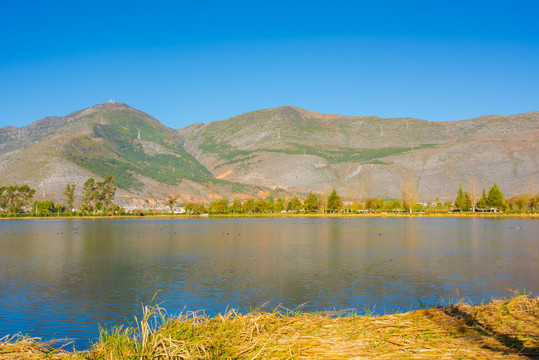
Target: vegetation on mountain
(282, 148)
(342, 151)
(116, 147)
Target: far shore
(534, 215)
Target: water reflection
(60, 278)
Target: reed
(502, 329)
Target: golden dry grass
(500, 330)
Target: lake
(64, 278)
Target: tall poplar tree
(69, 193)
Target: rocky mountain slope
(145, 157)
(280, 151)
(301, 150)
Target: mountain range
(280, 151)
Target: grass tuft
(502, 329)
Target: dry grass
(500, 330)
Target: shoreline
(287, 215)
(501, 329)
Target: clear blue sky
(199, 61)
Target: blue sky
(200, 61)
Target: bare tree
(362, 192)
(530, 185)
(350, 195)
(473, 191)
(409, 192)
(325, 195)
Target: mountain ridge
(287, 148)
(346, 151)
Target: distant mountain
(145, 157)
(301, 150)
(277, 151)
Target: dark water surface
(64, 278)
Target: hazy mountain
(301, 150)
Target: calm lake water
(64, 278)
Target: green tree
(482, 203)
(397, 205)
(3, 198)
(98, 196)
(270, 204)
(43, 208)
(279, 205)
(334, 202)
(248, 206)
(495, 198)
(59, 208)
(294, 205)
(171, 201)
(106, 191)
(534, 202)
(89, 195)
(219, 206)
(312, 203)
(237, 207)
(521, 203)
(259, 206)
(69, 193)
(463, 201)
(14, 197)
(194, 208)
(371, 204)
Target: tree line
(494, 200)
(469, 200)
(97, 198)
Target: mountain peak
(110, 105)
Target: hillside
(279, 151)
(301, 150)
(145, 157)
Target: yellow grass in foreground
(500, 330)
